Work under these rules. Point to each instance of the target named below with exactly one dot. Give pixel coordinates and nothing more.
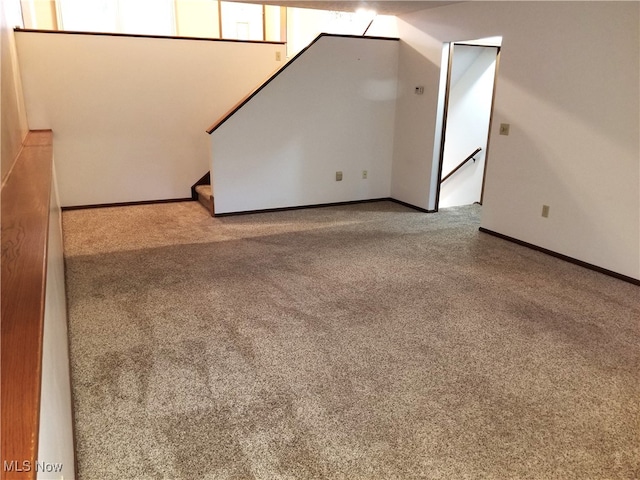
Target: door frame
(443, 127)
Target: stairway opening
(471, 70)
(202, 191)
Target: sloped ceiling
(382, 7)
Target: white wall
(568, 85)
(469, 112)
(129, 114)
(419, 65)
(13, 121)
(55, 444)
(330, 110)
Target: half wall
(129, 113)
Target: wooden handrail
(25, 222)
(461, 164)
(252, 94)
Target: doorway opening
(465, 111)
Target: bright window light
(89, 15)
(147, 17)
(241, 21)
(144, 17)
(365, 14)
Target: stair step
(205, 190)
(205, 197)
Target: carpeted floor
(358, 342)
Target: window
(88, 15)
(304, 24)
(198, 18)
(145, 17)
(242, 21)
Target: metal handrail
(476, 151)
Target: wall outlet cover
(338, 176)
(545, 211)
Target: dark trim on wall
(443, 133)
(321, 205)
(463, 44)
(300, 207)
(246, 212)
(135, 35)
(126, 204)
(408, 205)
(248, 97)
(566, 258)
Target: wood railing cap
(26, 195)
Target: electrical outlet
(419, 90)
(364, 174)
(504, 128)
(338, 176)
(278, 56)
(545, 211)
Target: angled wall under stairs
(331, 109)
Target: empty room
(375, 284)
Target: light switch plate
(504, 128)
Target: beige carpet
(357, 342)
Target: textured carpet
(358, 342)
